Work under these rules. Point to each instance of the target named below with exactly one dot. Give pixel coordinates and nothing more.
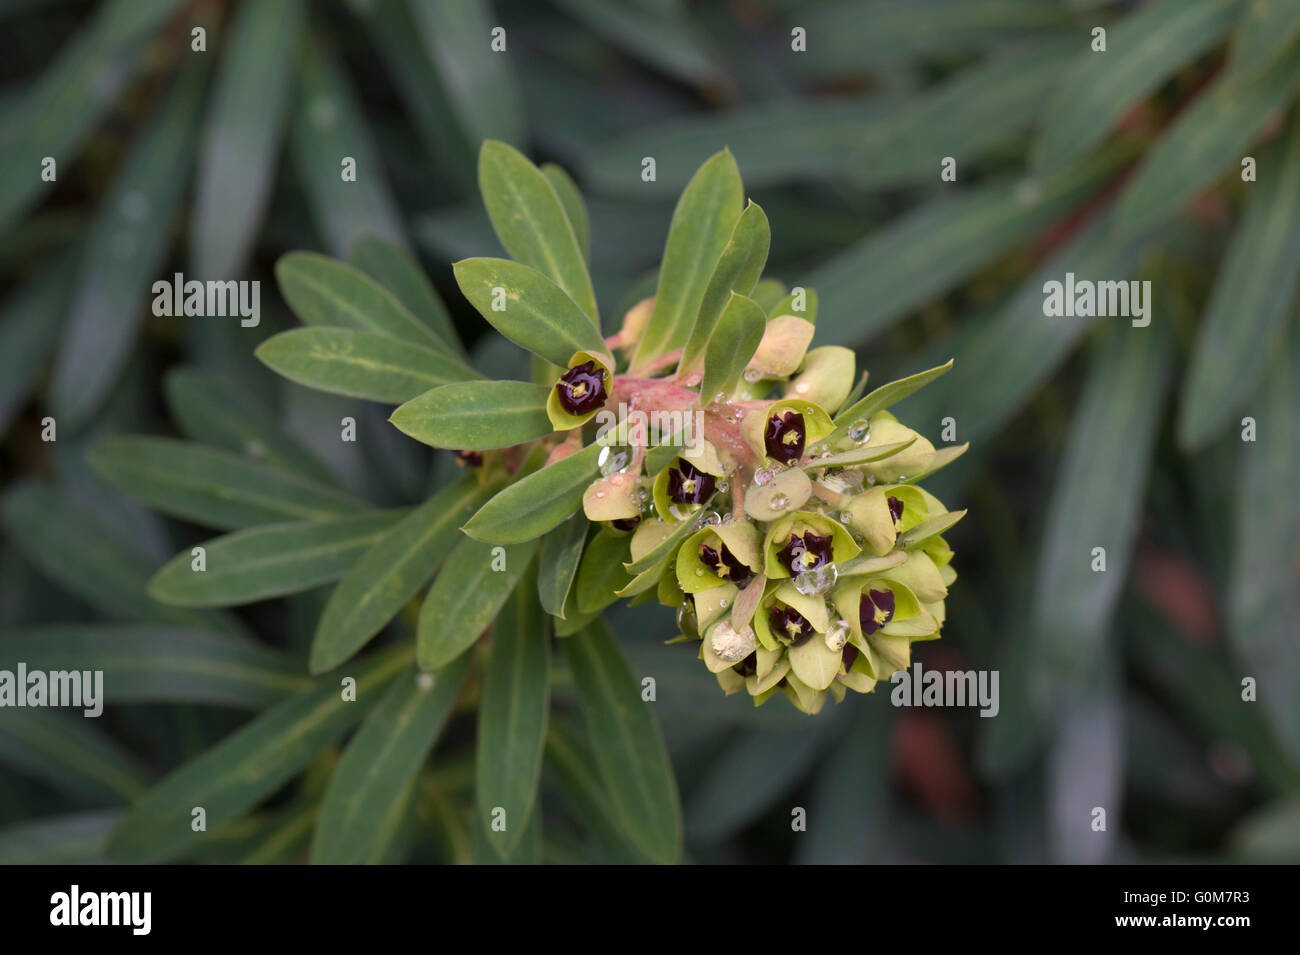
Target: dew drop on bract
(837, 636)
(764, 476)
(860, 431)
(778, 502)
(752, 375)
(712, 517)
(613, 460)
(846, 517)
(812, 583)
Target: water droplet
(731, 645)
(837, 636)
(779, 502)
(846, 517)
(722, 487)
(642, 495)
(724, 603)
(425, 681)
(712, 517)
(812, 583)
(752, 375)
(764, 476)
(860, 431)
(600, 494)
(727, 518)
(699, 571)
(613, 460)
(720, 398)
(802, 388)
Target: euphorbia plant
(703, 455)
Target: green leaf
(1254, 294)
(91, 560)
(270, 561)
(479, 81)
(574, 771)
(1116, 422)
(1143, 50)
(124, 254)
(211, 410)
(532, 223)
(574, 207)
(884, 396)
(212, 487)
(33, 319)
(397, 271)
(75, 838)
(558, 564)
(751, 774)
(150, 664)
(534, 312)
(627, 743)
(328, 126)
(817, 138)
(1207, 136)
(390, 573)
(53, 115)
(476, 415)
(529, 508)
(325, 291)
(380, 762)
(1264, 596)
(465, 598)
(241, 135)
(1263, 34)
(923, 254)
(1014, 350)
(357, 364)
(601, 575)
(512, 717)
(71, 753)
(250, 764)
(664, 36)
(850, 796)
(737, 271)
(701, 227)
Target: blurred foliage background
(1120, 690)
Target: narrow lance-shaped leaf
(701, 226)
(358, 364)
(476, 75)
(1264, 601)
(574, 207)
(1143, 50)
(153, 664)
(76, 838)
(627, 744)
(884, 396)
(512, 716)
(211, 410)
(335, 156)
(1254, 294)
(732, 344)
(870, 285)
(531, 221)
(1207, 136)
(250, 764)
(737, 271)
(269, 561)
(54, 114)
(213, 487)
(241, 134)
(325, 291)
(124, 254)
(92, 561)
(558, 564)
(373, 775)
(1116, 423)
(1265, 30)
(33, 319)
(71, 753)
(400, 274)
(471, 588)
(529, 309)
(529, 508)
(390, 573)
(476, 415)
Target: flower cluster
(797, 548)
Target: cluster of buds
(789, 531)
